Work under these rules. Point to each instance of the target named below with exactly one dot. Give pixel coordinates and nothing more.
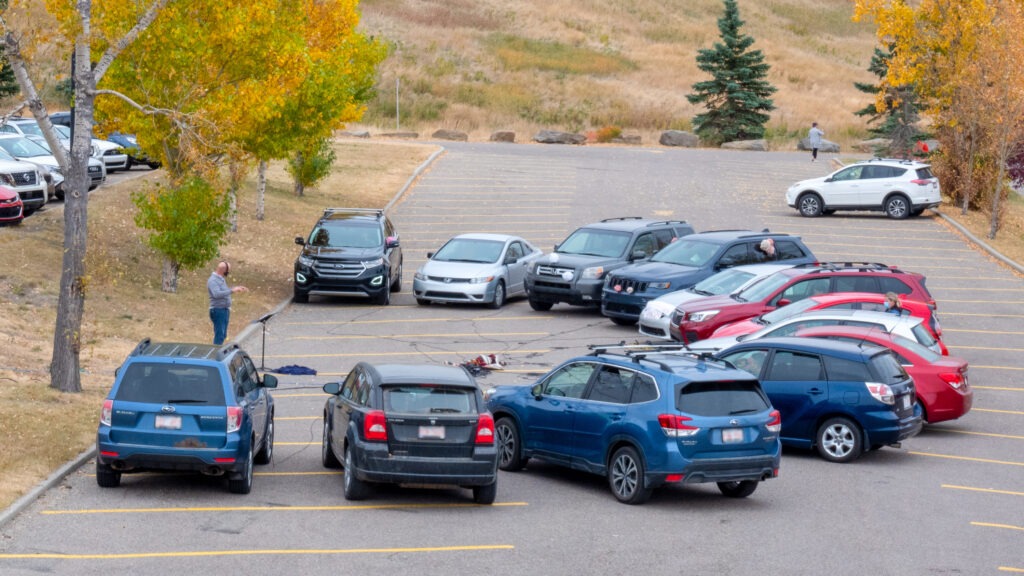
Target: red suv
(697, 319)
(11, 209)
(836, 300)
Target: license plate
(168, 422)
(432, 432)
(906, 401)
(732, 435)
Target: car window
(569, 381)
(928, 354)
(515, 250)
(346, 236)
(735, 256)
(613, 385)
(862, 324)
(761, 290)
(593, 242)
(470, 250)
(663, 238)
(841, 369)
(727, 398)
(646, 243)
(804, 289)
(422, 399)
(252, 378)
(890, 284)
(788, 311)
(22, 147)
(923, 335)
(235, 366)
(686, 252)
(8, 129)
(362, 391)
(856, 283)
(925, 173)
(795, 366)
(788, 250)
(851, 173)
(162, 383)
(348, 389)
(748, 360)
(30, 128)
(645, 389)
(886, 368)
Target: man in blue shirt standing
(220, 300)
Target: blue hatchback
(643, 417)
(839, 397)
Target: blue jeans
(220, 317)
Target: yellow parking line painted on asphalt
(973, 366)
(441, 335)
(971, 331)
(408, 320)
(269, 552)
(992, 434)
(348, 507)
(991, 525)
(1014, 412)
(967, 458)
(1003, 388)
(992, 348)
(427, 353)
(944, 314)
(1009, 569)
(985, 490)
(279, 418)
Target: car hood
(459, 269)
(737, 328)
(810, 182)
(6, 194)
(652, 271)
(576, 261)
(325, 253)
(713, 344)
(710, 303)
(678, 297)
(105, 145)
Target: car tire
(423, 302)
(153, 165)
(384, 298)
(499, 296)
(626, 477)
(622, 321)
(810, 205)
(396, 286)
(897, 207)
(485, 495)
(839, 440)
(540, 305)
(107, 477)
(355, 489)
(327, 456)
(300, 297)
(510, 449)
(243, 483)
(266, 453)
(739, 489)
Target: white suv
(900, 188)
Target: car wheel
(243, 483)
(740, 489)
(355, 489)
(623, 321)
(485, 494)
(897, 207)
(839, 440)
(499, 296)
(326, 451)
(106, 476)
(540, 306)
(626, 477)
(396, 286)
(384, 298)
(266, 453)
(510, 451)
(810, 205)
(423, 302)
(300, 297)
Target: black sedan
(410, 424)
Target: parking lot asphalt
(950, 501)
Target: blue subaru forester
(644, 416)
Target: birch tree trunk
(261, 188)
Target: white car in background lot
(657, 314)
(900, 188)
(25, 178)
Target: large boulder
(826, 146)
(354, 134)
(753, 145)
(872, 145)
(407, 135)
(679, 138)
(555, 137)
(503, 136)
(454, 135)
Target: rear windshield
(886, 368)
(928, 354)
(428, 399)
(721, 398)
(925, 173)
(161, 383)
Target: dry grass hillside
(483, 65)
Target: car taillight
(954, 379)
(881, 392)
(921, 181)
(234, 419)
(775, 424)
(675, 426)
(485, 429)
(375, 426)
(106, 412)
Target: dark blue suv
(839, 397)
(689, 260)
(643, 417)
(191, 407)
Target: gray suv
(575, 272)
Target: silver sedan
(475, 269)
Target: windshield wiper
(737, 297)
(701, 292)
(760, 320)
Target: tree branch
(116, 48)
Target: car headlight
(657, 310)
(372, 263)
(660, 285)
(593, 273)
(7, 179)
(703, 316)
(419, 275)
(481, 280)
(305, 261)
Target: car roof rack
(660, 222)
(858, 266)
(377, 211)
(143, 344)
(620, 218)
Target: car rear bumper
(948, 404)
(374, 463)
(884, 428)
(734, 469)
(140, 458)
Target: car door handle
(616, 417)
(816, 391)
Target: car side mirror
(392, 242)
(430, 255)
(828, 179)
(555, 247)
(300, 240)
(638, 255)
(332, 387)
(783, 301)
(536, 391)
(269, 381)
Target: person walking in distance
(220, 300)
(814, 136)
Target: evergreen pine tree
(8, 84)
(900, 117)
(737, 96)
